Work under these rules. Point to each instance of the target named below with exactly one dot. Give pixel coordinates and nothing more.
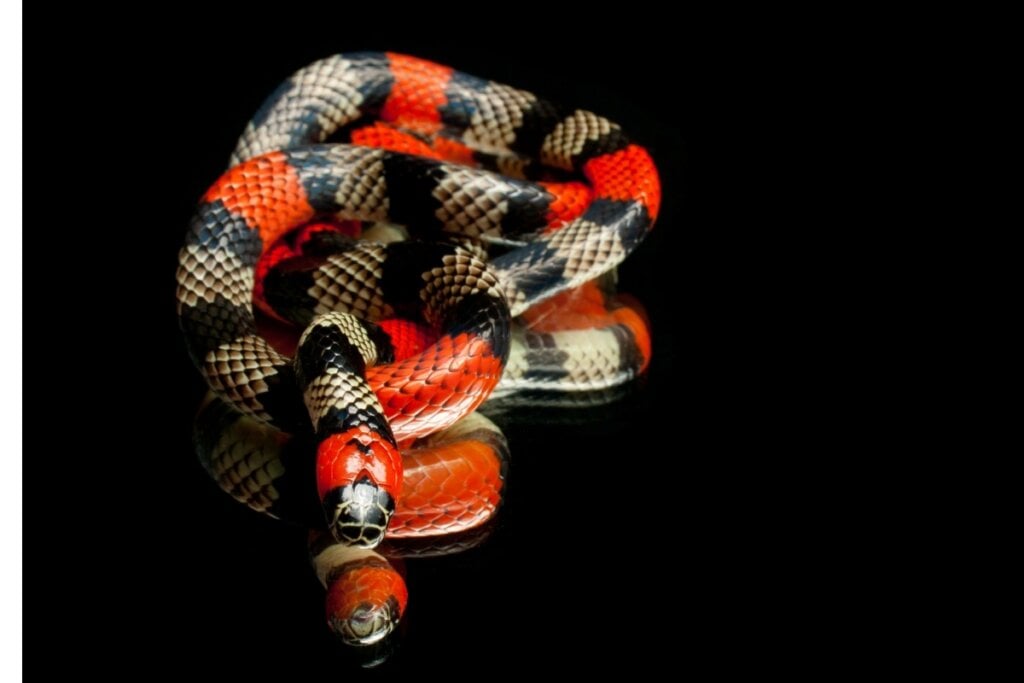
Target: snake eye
(359, 513)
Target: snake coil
(510, 207)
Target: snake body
(495, 267)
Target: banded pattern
(436, 138)
(357, 401)
(337, 91)
(258, 200)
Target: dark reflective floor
(566, 553)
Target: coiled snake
(491, 286)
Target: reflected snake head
(365, 599)
(367, 623)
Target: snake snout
(360, 512)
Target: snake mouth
(358, 513)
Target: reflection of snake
(453, 484)
(445, 336)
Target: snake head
(358, 513)
(359, 474)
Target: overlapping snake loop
(491, 286)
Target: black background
(610, 548)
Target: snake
(499, 216)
